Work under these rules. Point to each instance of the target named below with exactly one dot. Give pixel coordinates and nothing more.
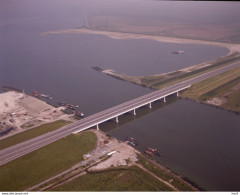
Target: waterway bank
(112, 155)
(221, 90)
(60, 65)
(172, 179)
(193, 148)
(20, 112)
(161, 80)
(125, 35)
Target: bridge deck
(28, 146)
(128, 106)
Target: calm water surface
(197, 141)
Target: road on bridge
(16, 151)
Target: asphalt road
(16, 151)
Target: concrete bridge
(28, 146)
(130, 106)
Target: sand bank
(124, 35)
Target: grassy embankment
(163, 80)
(166, 175)
(43, 163)
(225, 85)
(31, 133)
(117, 179)
(130, 178)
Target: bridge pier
(150, 105)
(129, 107)
(134, 111)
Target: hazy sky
(223, 13)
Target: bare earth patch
(109, 153)
(217, 101)
(21, 112)
(124, 155)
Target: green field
(218, 91)
(233, 102)
(164, 80)
(35, 167)
(117, 179)
(31, 133)
(217, 86)
(203, 88)
(164, 174)
(126, 179)
(225, 86)
(161, 81)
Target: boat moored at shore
(152, 152)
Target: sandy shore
(21, 112)
(123, 35)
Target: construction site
(19, 112)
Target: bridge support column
(134, 112)
(117, 121)
(97, 127)
(177, 94)
(164, 99)
(150, 105)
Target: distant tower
(106, 24)
(84, 21)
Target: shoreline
(234, 49)
(231, 47)
(125, 35)
(124, 157)
(118, 143)
(21, 112)
(136, 82)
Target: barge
(39, 95)
(73, 108)
(152, 152)
(79, 114)
(132, 141)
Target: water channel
(197, 141)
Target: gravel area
(20, 112)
